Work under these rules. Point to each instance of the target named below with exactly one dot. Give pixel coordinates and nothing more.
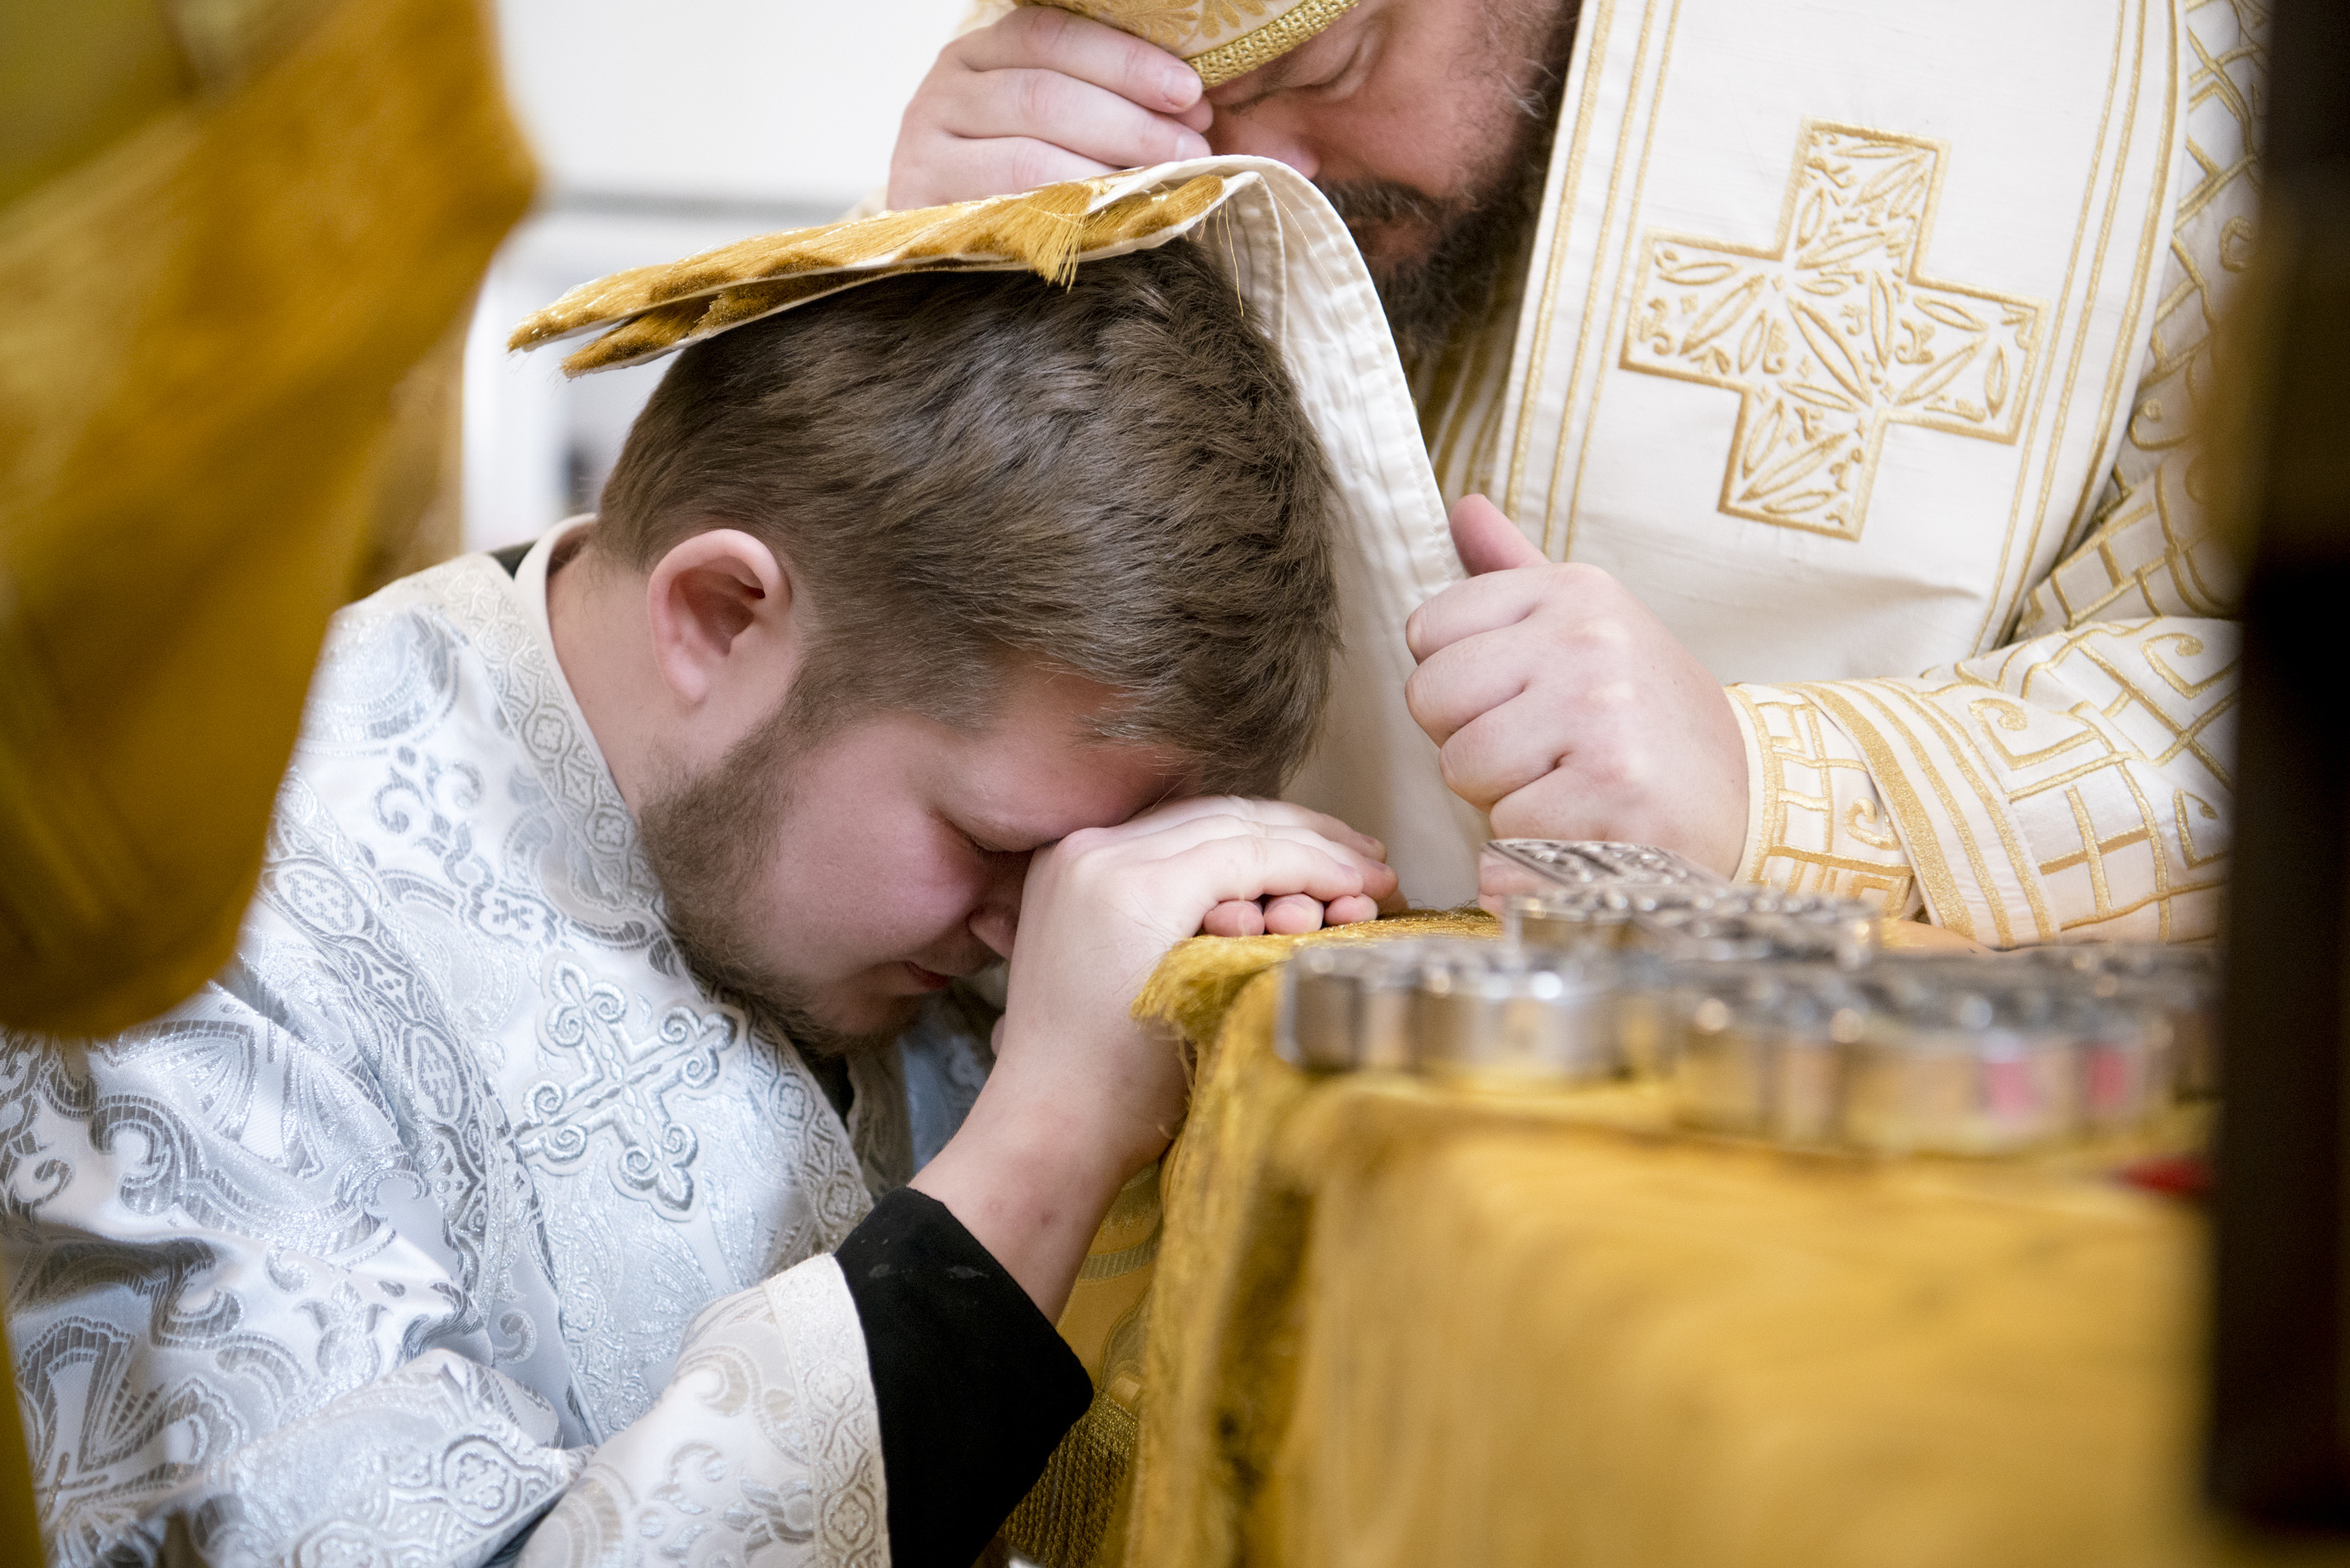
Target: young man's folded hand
(1083, 1094)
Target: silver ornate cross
(623, 1088)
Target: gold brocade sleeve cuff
(2073, 787)
(1814, 822)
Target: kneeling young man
(518, 1181)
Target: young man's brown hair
(1115, 478)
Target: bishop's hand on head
(1040, 94)
(1563, 709)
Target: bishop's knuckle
(1036, 95)
(1613, 697)
(1042, 30)
(1463, 776)
(1601, 650)
(1611, 632)
(1419, 696)
(1029, 165)
(1614, 767)
(1589, 580)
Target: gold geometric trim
(1945, 902)
(1238, 56)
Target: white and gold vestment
(1864, 341)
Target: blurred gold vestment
(227, 264)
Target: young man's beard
(705, 839)
(1475, 235)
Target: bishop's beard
(1471, 237)
(705, 839)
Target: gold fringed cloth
(1396, 1326)
(196, 397)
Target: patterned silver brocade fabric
(454, 1207)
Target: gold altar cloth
(1400, 1323)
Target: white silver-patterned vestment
(454, 1207)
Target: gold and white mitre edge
(1838, 321)
(1220, 39)
(1299, 276)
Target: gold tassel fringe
(1062, 1520)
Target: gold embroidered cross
(1833, 333)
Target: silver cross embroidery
(623, 1088)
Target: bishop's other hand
(1040, 94)
(1563, 709)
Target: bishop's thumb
(1486, 540)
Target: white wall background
(662, 128)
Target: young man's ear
(719, 604)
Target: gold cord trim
(1238, 56)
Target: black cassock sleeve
(976, 1386)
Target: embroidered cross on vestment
(1833, 333)
(623, 1088)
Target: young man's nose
(997, 918)
(995, 924)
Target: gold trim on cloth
(1268, 43)
(2072, 786)
(2147, 547)
(1075, 1514)
(1820, 824)
(1214, 37)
